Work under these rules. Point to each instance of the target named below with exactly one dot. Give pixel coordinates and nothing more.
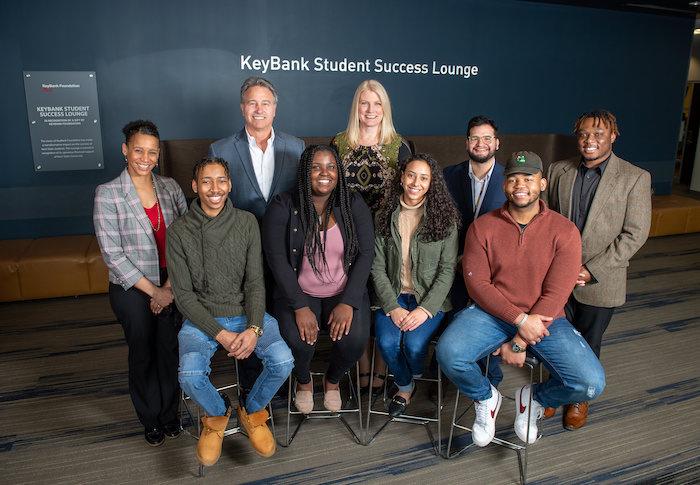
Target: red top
(509, 271)
(154, 213)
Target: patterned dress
(369, 169)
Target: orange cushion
(10, 254)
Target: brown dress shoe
(549, 412)
(211, 438)
(260, 436)
(575, 415)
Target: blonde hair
(387, 132)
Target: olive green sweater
(215, 266)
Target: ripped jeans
(197, 349)
(576, 374)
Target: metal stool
(408, 418)
(189, 409)
(353, 394)
(521, 449)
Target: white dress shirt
(263, 162)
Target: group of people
(372, 243)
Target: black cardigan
(283, 243)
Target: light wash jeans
(197, 349)
(404, 352)
(575, 372)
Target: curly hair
(441, 215)
(312, 222)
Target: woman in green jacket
(414, 265)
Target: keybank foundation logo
(48, 87)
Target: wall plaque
(64, 120)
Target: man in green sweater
(215, 261)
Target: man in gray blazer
(609, 200)
(263, 161)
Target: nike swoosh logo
(522, 408)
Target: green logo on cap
(520, 159)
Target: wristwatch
(258, 331)
(517, 348)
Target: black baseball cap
(524, 162)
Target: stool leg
(439, 410)
(369, 394)
(358, 400)
(289, 408)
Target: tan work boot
(211, 438)
(255, 426)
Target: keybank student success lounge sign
(273, 63)
(64, 120)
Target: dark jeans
(153, 355)
(344, 352)
(591, 321)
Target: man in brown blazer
(609, 200)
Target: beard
(481, 158)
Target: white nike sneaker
(522, 397)
(484, 427)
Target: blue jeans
(197, 349)
(575, 372)
(404, 352)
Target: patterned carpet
(66, 417)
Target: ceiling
(682, 8)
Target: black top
(585, 186)
(283, 244)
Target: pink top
(333, 278)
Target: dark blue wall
(178, 63)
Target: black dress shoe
(173, 429)
(398, 404)
(154, 436)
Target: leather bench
(51, 267)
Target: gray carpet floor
(66, 416)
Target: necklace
(156, 228)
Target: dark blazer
(616, 227)
(283, 244)
(460, 187)
(245, 191)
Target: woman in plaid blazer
(131, 215)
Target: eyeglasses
(598, 135)
(488, 139)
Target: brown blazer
(617, 225)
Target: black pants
(153, 355)
(344, 352)
(591, 321)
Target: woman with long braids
(414, 264)
(318, 241)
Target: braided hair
(312, 223)
(441, 215)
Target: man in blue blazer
(263, 161)
(476, 185)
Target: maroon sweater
(509, 271)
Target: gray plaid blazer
(125, 234)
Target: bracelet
(523, 320)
